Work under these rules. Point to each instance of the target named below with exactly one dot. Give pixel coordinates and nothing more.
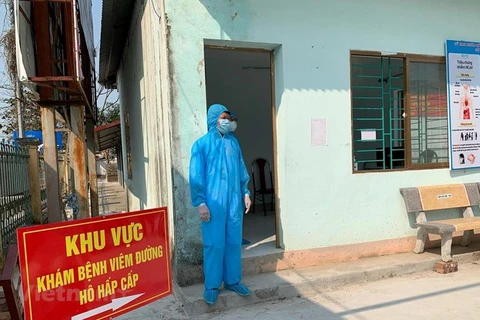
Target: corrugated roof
(86, 20)
(116, 20)
(108, 135)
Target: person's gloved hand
(204, 212)
(248, 203)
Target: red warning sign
(95, 268)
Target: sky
(97, 16)
(97, 27)
(3, 27)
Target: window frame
(407, 60)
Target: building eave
(116, 20)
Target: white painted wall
(101, 168)
(25, 42)
(140, 89)
(247, 93)
(322, 203)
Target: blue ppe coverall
(219, 178)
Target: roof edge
(115, 26)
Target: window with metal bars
(399, 112)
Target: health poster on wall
(463, 85)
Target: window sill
(415, 167)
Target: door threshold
(261, 248)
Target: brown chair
(260, 171)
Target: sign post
(95, 268)
(463, 85)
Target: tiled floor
(260, 231)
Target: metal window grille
(377, 88)
(428, 112)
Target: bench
(421, 200)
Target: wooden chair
(260, 171)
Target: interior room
(241, 80)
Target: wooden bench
(421, 200)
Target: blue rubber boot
(210, 296)
(239, 289)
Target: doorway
(242, 79)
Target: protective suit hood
(213, 114)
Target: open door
(242, 79)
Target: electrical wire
(155, 10)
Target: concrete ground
(425, 295)
(335, 291)
(111, 197)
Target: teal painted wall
(322, 202)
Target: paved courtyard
(426, 295)
(111, 197)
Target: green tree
(8, 104)
(109, 113)
(30, 110)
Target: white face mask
(233, 126)
(223, 126)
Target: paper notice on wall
(319, 132)
(368, 135)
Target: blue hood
(213, 114)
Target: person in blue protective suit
(233, 123)
(219, 189)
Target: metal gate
(15, 206)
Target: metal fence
(15, 206)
